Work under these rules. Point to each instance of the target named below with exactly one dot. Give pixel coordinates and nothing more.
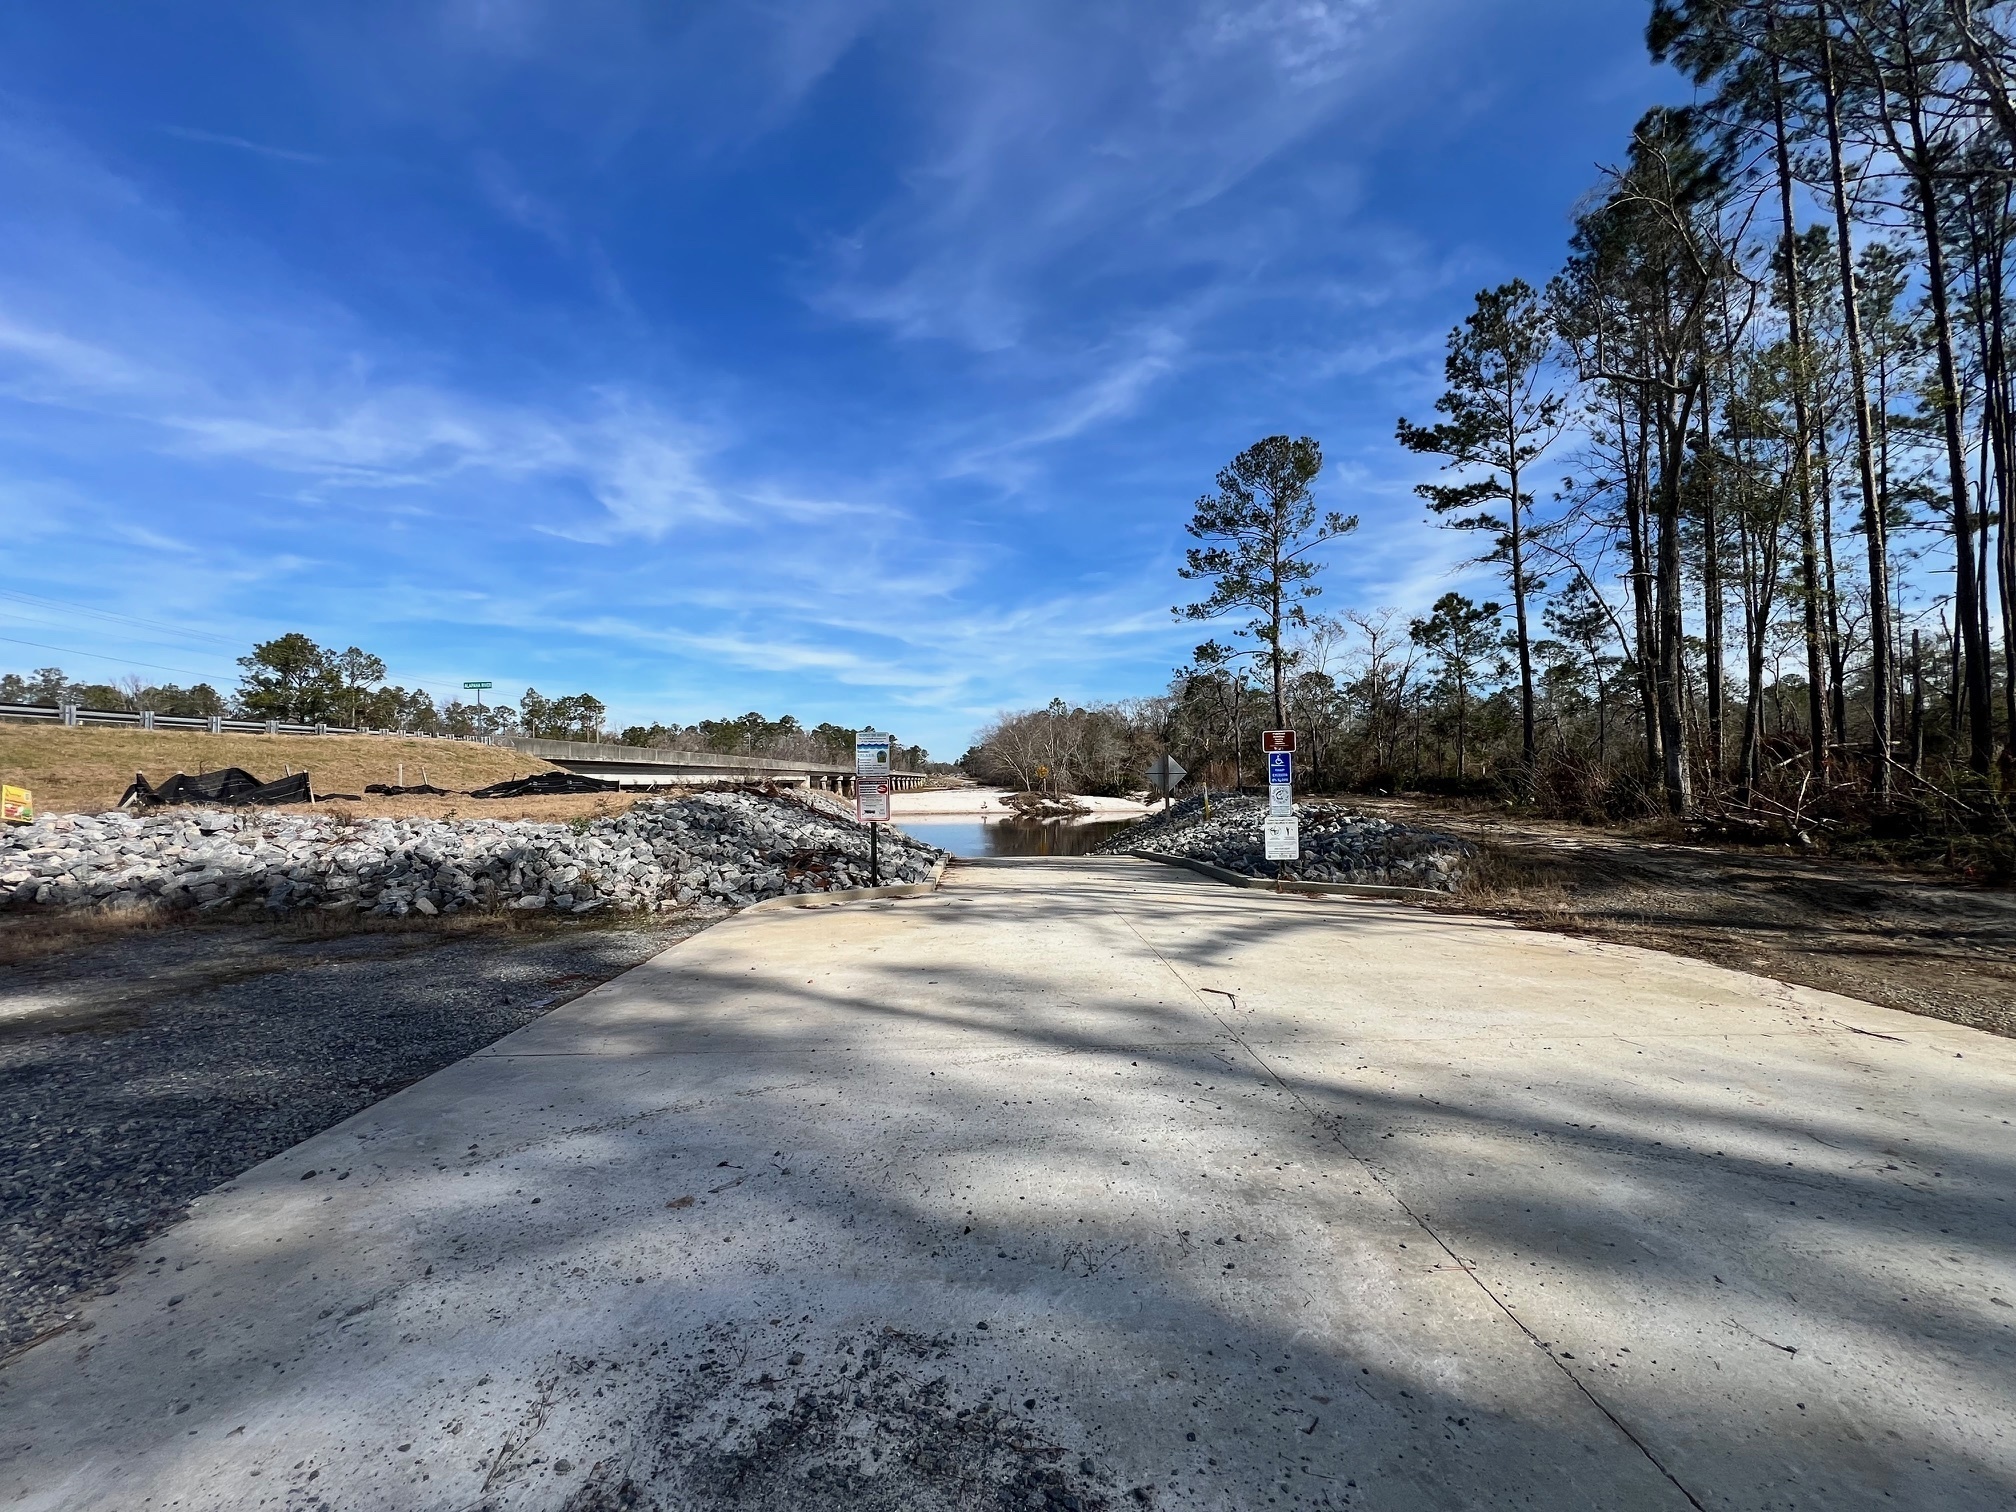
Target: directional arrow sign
(1165, 773)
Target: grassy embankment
(84, 769)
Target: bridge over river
(649, 766)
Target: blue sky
(852, 358)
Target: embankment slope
(84, 769)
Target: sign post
(1283, 831)
(1279, 748)
(479, 687)
(1163, 775)
(872, 751)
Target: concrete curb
(1314, 889)
(852, 894)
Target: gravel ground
(734, 847)
(139, 1071)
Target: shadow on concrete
(805, 1149)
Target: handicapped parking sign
(1279, 746)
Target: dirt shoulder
(141, 1067)
(1940, 948)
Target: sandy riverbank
(984, 804)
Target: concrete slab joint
(1101, 1185)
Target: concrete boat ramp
(1096, 1185)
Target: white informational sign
(1280, 801)
(1284, 839)
(871, 802)
(871, 753)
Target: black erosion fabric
(233, 786)
(545, 785)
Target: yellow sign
(17, 805)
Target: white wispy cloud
(505, 191)
(1108, 385)
(1054, 160)
(242, 144)
(647, 468)
(939, 455)
(48, 364)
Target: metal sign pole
(874, 755)
(1166, 772)
(1283, 834)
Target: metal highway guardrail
(633, 766)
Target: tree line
(784, 738)
(293, 679)
(1745, 467)
(296, 681)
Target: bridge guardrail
(147, 719)
(558, 752)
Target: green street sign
(479, 685)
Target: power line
(127, 638)
(107, 614)
(117, 661)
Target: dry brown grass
(1502, 880)
(557, 810)
(84, 769)
(33, 934)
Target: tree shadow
(806, 1176)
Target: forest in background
(1744, 468)
(293, 679)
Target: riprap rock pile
(1337, 844)
(731, 848)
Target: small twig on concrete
(1773, 1343)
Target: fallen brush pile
(1337, 844)
(723, 848)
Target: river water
(1005, 837)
